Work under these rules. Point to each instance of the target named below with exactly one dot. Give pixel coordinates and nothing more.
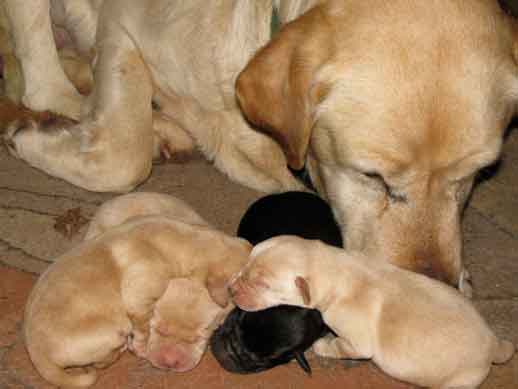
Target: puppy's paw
(138, 345)
(324, 347)
(465, 284)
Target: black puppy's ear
(303, 362)
(303, 287)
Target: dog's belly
(198, 48)
(75, 23)
(193, 48)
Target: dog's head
(394, 108)
(275, 275)
(250, 342)
(182, 322)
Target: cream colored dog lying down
(393, 106)
(414, 328)
(153, 284)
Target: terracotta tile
(15, 287)
(19, 366)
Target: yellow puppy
(413, 327)
(154, 284)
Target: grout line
(9, 208)
(491, 221)
(7, 189)
(21, 269)
(11, 247)
(494, 298)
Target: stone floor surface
(32, 204)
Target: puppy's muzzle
(245, 293)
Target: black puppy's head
(290, 213)
(250, 342)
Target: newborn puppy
(150, 283)
(250, 342)
(291, 213)
(183, 319)
(120, 209)
(414, 328)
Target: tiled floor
(30, 201)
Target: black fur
(249, 342)
(290, 213)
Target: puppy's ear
(217, 285)
(221, 272)
(276, 90)
(303, 287)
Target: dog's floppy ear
(276, 90)
(303, 288)
(222, 272)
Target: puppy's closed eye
(162, 331)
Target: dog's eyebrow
(473, 162)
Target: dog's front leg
(46, 85)
(111, 149)
(331, 346)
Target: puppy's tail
(503, 351)
(59, 376)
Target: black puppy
(290, 213)
(249, 342)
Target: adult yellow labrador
(393, 106)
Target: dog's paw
(33, 125)
(167, 153)
(13, 130)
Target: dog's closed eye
(391, 193)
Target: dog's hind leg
(111, 149)
(249, 157)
